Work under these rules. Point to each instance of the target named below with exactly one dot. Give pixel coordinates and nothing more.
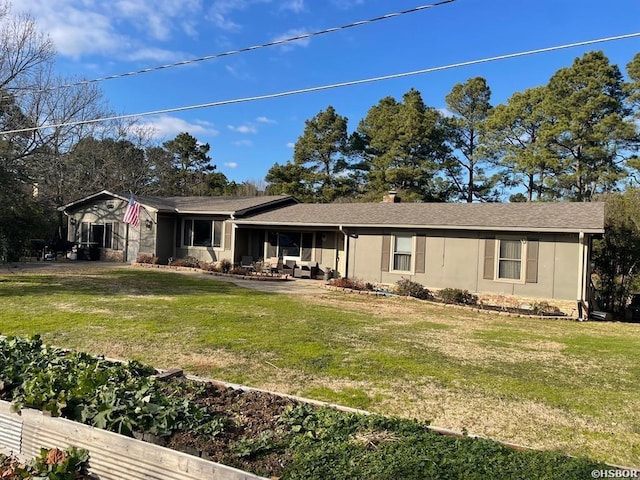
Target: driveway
(290, 286)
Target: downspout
(233, 239)
(346, 252)
(581, 272)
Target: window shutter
(532, 261)
(489, 260)
(421, 247)
(386, 253)
(227, 236)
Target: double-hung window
(402, 252)
(510, 255)
(202, 233)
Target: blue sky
(96, 38)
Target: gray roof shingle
(236, 206)
(560, 217)
(211, 205)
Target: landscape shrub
(190, 262)
(457, 295)
(408, 288)
(352, 283)
(210, 267)
(146, 258)
(545, 308)
(225, 265)
(239, 271)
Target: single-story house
(523, 249)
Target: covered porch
(301, 252)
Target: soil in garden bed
(243, 442)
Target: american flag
(132, 214)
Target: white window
(510, 253)
(202, 233)
(402, 252)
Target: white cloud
(237, 70)
(221, 11)
(166, 126)
(294, 5)
(291, 145)
(156, 54)
(346, 4)
(105, 28)
(243, 143)
(243, 128)
(294, 32)
(266, 120)
(231, 164)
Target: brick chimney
(391, 197)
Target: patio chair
(247, 263)
(289, 268)
(303, 271)
(275, 265)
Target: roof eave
(428, 227)
(88, 198)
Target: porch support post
(581, 274)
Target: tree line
(571, 139)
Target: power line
(245, 49)
(334, 85)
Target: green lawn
(552, 384)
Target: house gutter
(492, 228)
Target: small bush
(545, 308)
(407, 288)
(457, 295)
(146, 258)
(352, 283)
(239, 271)
(210, 267)
(225, 266)
(191, 262)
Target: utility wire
(245, 49)
(334, 85)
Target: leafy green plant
(120, 397)
(457, 295)
(408, 288)
(253, 447)
(52, 464)
(61, 465)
